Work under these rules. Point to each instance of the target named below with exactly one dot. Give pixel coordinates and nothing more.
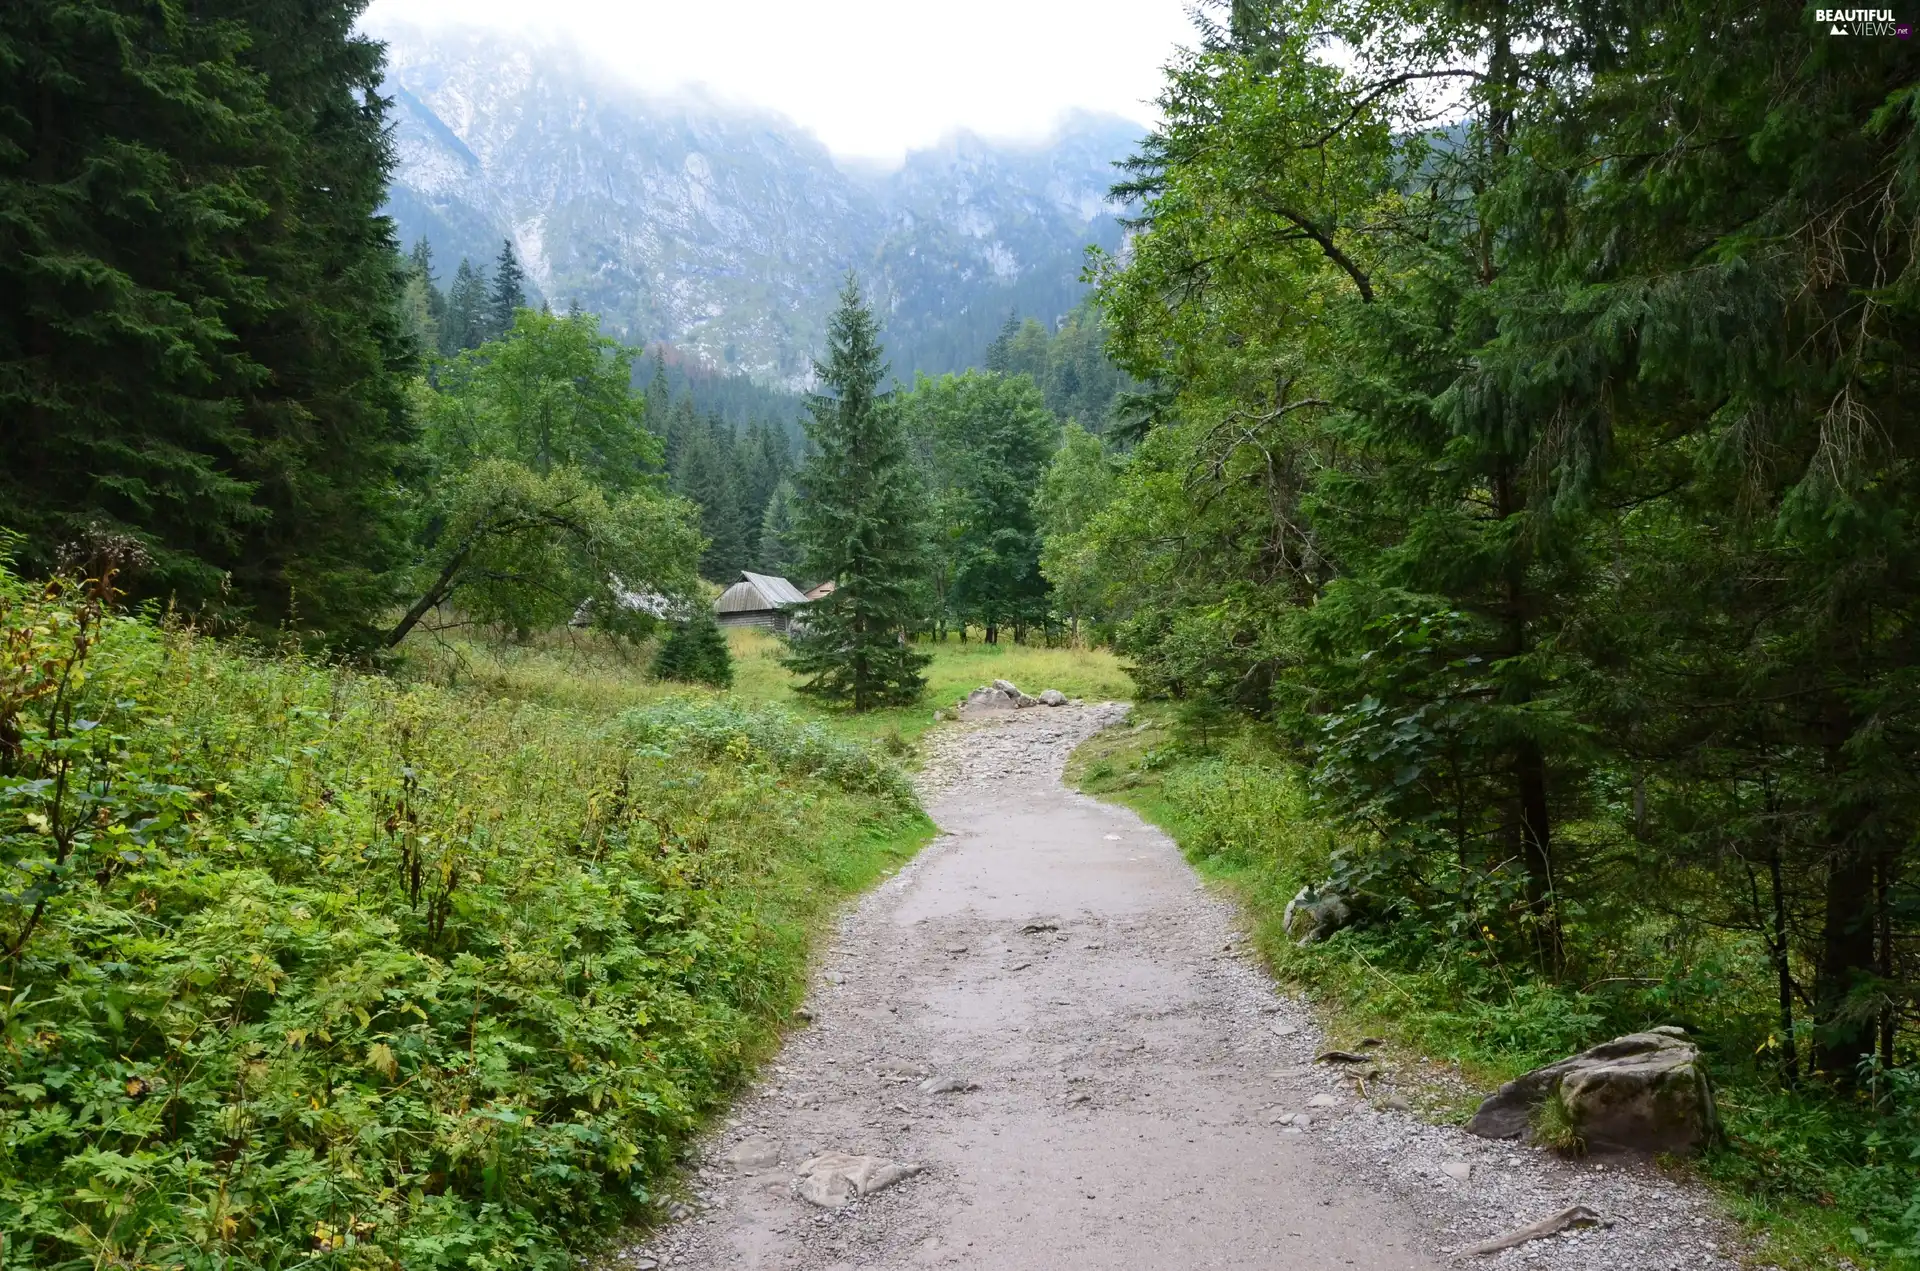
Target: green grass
(587, 672)
(331, 970)
(1810, 1176)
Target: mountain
(726, 231)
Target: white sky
(870, 78)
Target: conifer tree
(707, 478)
(1000, 352)
(422, 305)
(465, 324)
(659, 397)
(858, 522)
(779, 548)
(509, 293)
(696, 652)
(202, 343)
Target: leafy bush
(311, 968)
(695, 652)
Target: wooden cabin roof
(756, 593)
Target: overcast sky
(870, 78)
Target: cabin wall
(766, 619)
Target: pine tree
(779, 546)
(765, 461)
(858, 522)
(465, 324)
(696, 652)
(509, 294)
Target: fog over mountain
(724, 230)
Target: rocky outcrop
(987, 699)
(1644, 1092)
(1314, 914)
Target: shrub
(311, 968)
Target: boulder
(1314, 914)
(832, 1179)
(1052, 697)
(1009, 688)
(1645, 1092)
(989, 699)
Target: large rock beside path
(1314, 914)
(832, 1179)
(1645, 1092)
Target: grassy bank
(309, 967)
(582, 671)
(1820, 1178)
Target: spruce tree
(858, 521)
(465, 324)
(509, 294)
(696, 652)
(779, 547)
(659, 397)
(202, 341)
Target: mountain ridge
(727, 230)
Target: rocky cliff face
(726, 232)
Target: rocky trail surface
(1043, 1045)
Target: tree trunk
(1782, 971)
(1843, 1032)
(1536, 853)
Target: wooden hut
(758, 600)
(824, 589)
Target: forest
(1493, 452)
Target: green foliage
(1512, 474)
(545, 502)
(553, 392)
(983, 442)
(1551, 1125)
(695, 652)
(202, 345)
(465, 326)
(508, 296)
(310, 968)
(859, 524)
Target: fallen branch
(1552, 1225)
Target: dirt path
(1135, 1077)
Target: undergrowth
(1822, 1176)
(305, 967)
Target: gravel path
(1132, 1091)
